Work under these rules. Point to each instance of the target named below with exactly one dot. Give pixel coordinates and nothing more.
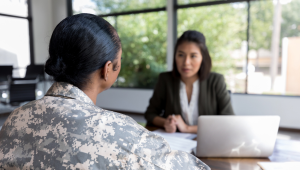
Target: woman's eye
(194, 56)
(180, 55)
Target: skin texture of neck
(92, 93)
(188, 81)
(93, 87)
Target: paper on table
(279, 165)
(178, 143)
(176, 134)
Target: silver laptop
(236, 136)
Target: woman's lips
(185, 70)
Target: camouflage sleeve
(85, 137)
(155, 149)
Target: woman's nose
(187, 60)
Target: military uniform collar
(66, 90)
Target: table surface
(284, 151)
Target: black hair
(79, 45)
(199, 39)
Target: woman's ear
(106, 69)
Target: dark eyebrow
(184, 52)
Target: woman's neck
(92, 94)
(188, 81)
(93, 86)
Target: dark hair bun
(55, 67)
(80, 45)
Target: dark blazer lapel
(176, 103)
(202, 102)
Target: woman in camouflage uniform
(65, 129)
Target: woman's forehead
(188, 47)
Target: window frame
(30, 29)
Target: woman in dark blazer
(190, 90)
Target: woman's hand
(170, 124)
(181, 124)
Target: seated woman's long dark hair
(80, 45)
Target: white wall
(288, 108)
(46, 15)
(131, 100)
(59, 11)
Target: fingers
(171, 119)
(170, 124)
(178, 119)
(170, 129)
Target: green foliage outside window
(144, 44)
(184, 2)
(261, 15)
(261, 24)
(113, 6)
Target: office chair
(33, 72)
(5, 73)
(23, 89)
(21, 92)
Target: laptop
(236, 136)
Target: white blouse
(189, 111)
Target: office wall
(46, 15)
(134, 100)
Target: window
(265, 61)
(102, 7)
(252, 43)
(14, 33)
(143, 35)
(186, 2)
(274, 42)
(144, 48)
(14, 7)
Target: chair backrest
(5, 72)
(22, 92)
(35, 71)
(230, 94)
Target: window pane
(14, 7)
(144, 44)
(14, 43)
(224, 27)
(274, 48)
(185, 2)
(99, 7)
(112, 21)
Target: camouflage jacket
(65, 130)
